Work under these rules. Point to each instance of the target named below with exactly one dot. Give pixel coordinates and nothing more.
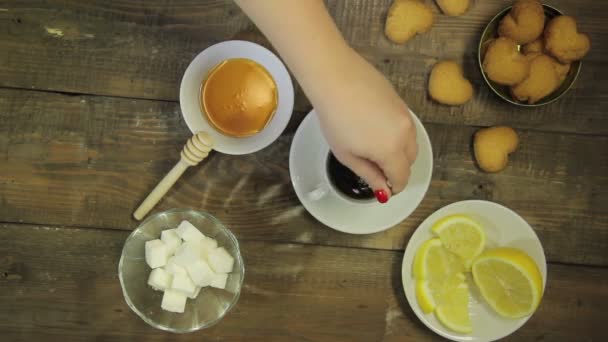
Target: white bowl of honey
(240, 93)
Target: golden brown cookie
(447, 85)
(503, 63)
(406, 18)
(560, 69)
(524, 23)
(537, 46)
(563, 41)
(492, 147)
(542, 81)
(453, 7)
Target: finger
(412, 147)
(397, 171)
(370, 173)
(412, 152)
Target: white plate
(504, 228)
(307, 165)
(189, 95)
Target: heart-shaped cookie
(504, 64)
(524, 23)
(447, 85)
(542, 81)
(406, 18)
(537, 46)
(564, 42)
(561, 69)
(492, 147)
(453, 7)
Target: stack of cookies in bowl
(530, 53)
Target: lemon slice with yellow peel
(453, 307)
(441, 286)
(434, 263)
(425, 296)
(449, 299)
(509, 280)
(462, 236)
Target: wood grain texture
(89, 161)
(62, 283)
(141, 49)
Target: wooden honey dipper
(196, 149)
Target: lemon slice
(430, 294)
(462, 236)
(449, 299)
(509, 280)
(433, 262)
(453, 308)
(424, 296)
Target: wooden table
(90, 121)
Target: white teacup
(189, 95)
(309, 176)
(327, 188)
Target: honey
(239, 97)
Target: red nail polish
(381, 196)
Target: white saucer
(504, 228)
(307, 165)
(189, 95)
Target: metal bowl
(491, 32)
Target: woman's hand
(368, 126)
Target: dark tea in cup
(347, 182)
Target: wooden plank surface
(86, 162)
(89, 161)
(141, 49)
(62, 283)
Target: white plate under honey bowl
(197, 71)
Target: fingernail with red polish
(381, 196)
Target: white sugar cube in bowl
(182, 277)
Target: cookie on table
(542, 80)
(564, 42)
(492, 147)
(453, 7)
(524, 23)
(406, 18)
(447, 84)
(504, 64)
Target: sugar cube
(189, 232)
(159, 279)
(220, 260)
(188, 253)
(183, 284)
(196, 292)
(200, 272)
(173, 301)
(156, 253)
(173, 268)
(171, 239)
(219, 280)
(207, 245)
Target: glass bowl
(209, 307)
(504, 92)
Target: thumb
(370, 173)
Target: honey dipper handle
(161, 189)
